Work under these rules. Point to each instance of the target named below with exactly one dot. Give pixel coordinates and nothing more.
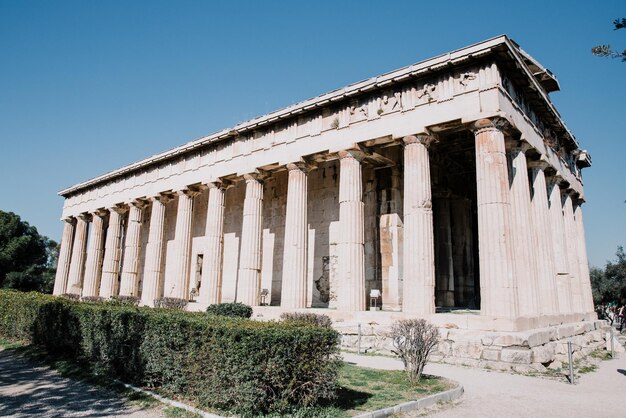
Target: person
(621, 314)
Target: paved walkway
(493, 394)
(32, 390)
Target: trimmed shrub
(235, 309)
(242, 366)
(307, 318)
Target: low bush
(413, 340)
(235, 309)
(307, 318)
(171, 303)
(244, 367)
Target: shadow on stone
(622, 371)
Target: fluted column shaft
(93, 266)
(65, 254)
(564, 291)
(77, 266)
(152, 288)
(572, 253)
(211, 290)
(419, 242)
(132, 247)
(498, 290)
(542, 233)
(583, 263)
(250, 262)
(112, 254)
(294, 285)
(177, 286)
(351, 287)
(522, 235)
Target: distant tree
(27, 259)
(605, 50)
(609, 285)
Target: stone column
(112, 254)
(152, 284)
(177, 286)
(542, 233)
(391, 239)
(132, 248)
(583, 264)
(211, 290)
(77, 266)
(571, 242)
(558, 244)
(294, 285)
(444, 261)
(419, 243)
(351, 286)
(65, 254)
(249, 282)
(522, 234)
(498, 290)
(93, 266)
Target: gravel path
(493, 394)
(32, 390)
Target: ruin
(451, 186)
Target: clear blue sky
(89, 86)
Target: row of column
(531, 241)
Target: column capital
(540, 164)
(190, 191)
(354, 153)
(424, 139)
(257, 176)
(69, 219)
(164, 197)
(100, 212)
(138, 203)
(86, 217)
(555, 179)
(220, 183)
(495, 123)
(119, 208)
(300, 166)
(518, 145)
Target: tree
(609, 285)
(605, 50)
(27, 259)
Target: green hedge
(235, 309)
(238, 365)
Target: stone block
(517, 356)
(491, 355)
(543, 354)
(495, 365)
(566, 330)
(555, 365)
(541, 337)
(523, 368)
(589, 326)
(467, 350)
(444, 348)
(508, 340)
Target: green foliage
(27, 259)
(605, 50)
(608, 285)
(236, 309)
(307, 318)
(171, 303)
(245, 367)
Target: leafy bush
(307, 318)
(245, 367)
(413, 340)
(236, 309)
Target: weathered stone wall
(526, 351)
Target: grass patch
(10, 345)
(600, 354)
(173, 412)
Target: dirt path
(32, 390)
(492, 394)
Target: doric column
(132, 247)
(572, 253)
(522, 234)
(351, 286)
(112, 254)
(65, 254)
(177, 286)
(211, 290)
(583, 264)
(564, 291)
(93, 266)
(498, 290)
(152, 288)
(419, 242)
(77, 266)
(294, 285)
(542, 233)
(249, 281)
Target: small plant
(380, 111)
(307, 318)
(171, 303)
(335, 123)
(234, 309)
(413, 340)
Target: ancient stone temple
(450, 187)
